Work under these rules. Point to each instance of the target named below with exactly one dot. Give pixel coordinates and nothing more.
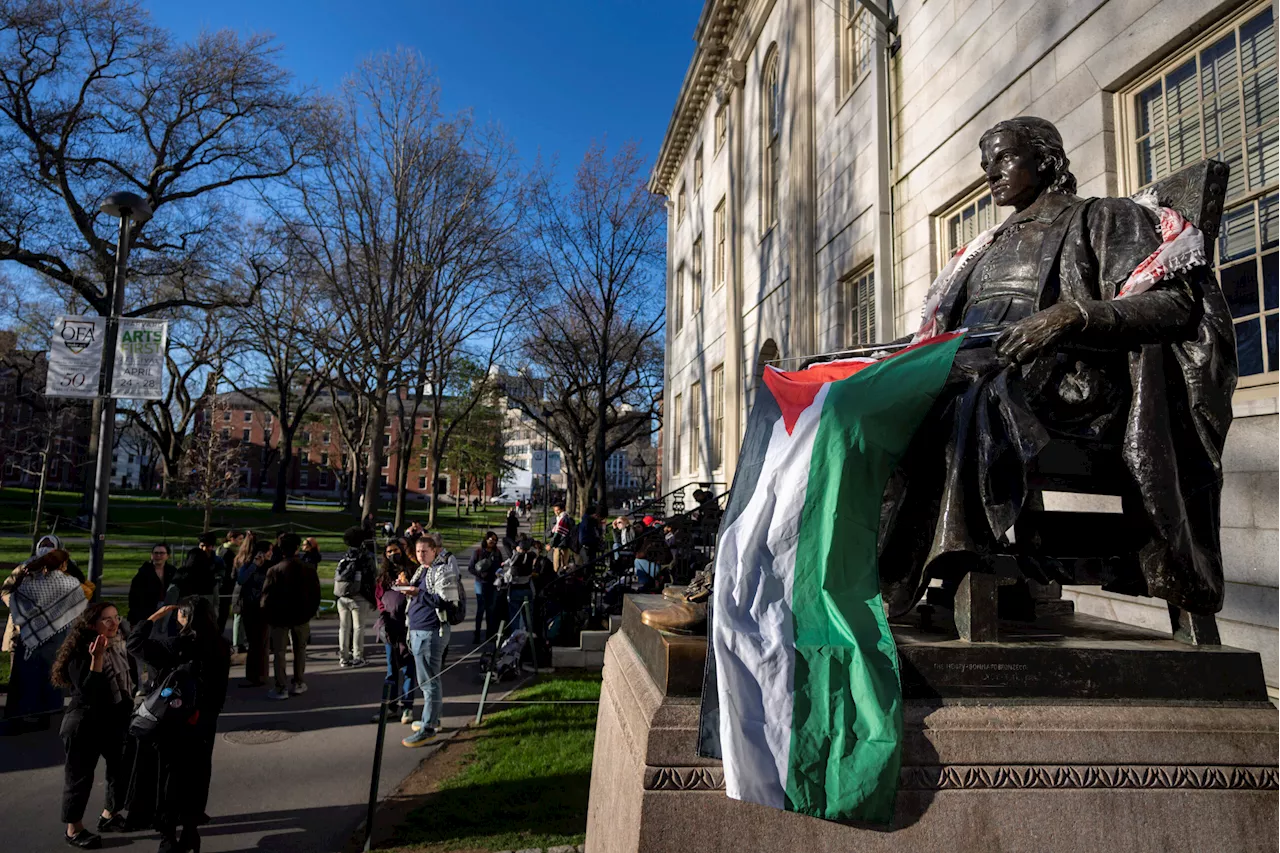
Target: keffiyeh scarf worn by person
(45, 603)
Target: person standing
(350, 578)
(198, 574)
(513, 524)
(561, 533)
(147, 591)
(226, 555)
(93, 665)
(252, 576)
(248, 547)
(185, 752)
(393, 630)
(431, 599)
(519, 580)
(310, 552)
(44, 600)
(412, 534)
(290, 598)
(590, 537)
(486, 561)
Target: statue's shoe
(682, 619)
(673, 593)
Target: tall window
(771, 113)
(696, 293)
(677, 430)
(697, 169)
(695, 426)
(965, 221)
(682, 201)
(857, 41)
(717, 418)
(722, 126)
(677, 298)
(861, 296)
(719, 258)
(1220, 100)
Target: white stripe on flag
(753, 635)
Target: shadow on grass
(545, 812)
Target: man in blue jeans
(433, 595)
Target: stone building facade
(820, 167)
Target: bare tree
(195, 363)
(408, 221)
(279, 366)
(211, 464)
(93, 99)
(597, 309)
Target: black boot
(189, 841)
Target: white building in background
(816, 181)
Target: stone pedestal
(987, 774)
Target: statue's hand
(1028, 338)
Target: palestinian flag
(805, 674)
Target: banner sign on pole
(546, 464)
(75, 356)
(139, 369)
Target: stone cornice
(715, 29)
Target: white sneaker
(277, 693)
(298, 688)
(406, 717)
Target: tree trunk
(281, 502)
(373, 473)
(353, 483)
(402, 486)
(433, 474)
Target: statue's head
(1024, 158)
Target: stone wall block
(1252, 444)
(1249, 555)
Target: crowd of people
(145, 688)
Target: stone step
(593, 641)
(566, 658)
(615, 623)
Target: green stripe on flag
(846, 733)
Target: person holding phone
(93, 665)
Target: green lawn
(526, 782)
(139, 518)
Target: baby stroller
(504, 662)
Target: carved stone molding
(683, 779)
(982, 777)
(1088, 776)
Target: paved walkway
(307, 791)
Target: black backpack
(170, 704)
(349, 569)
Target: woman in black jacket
(92, 663)
(186, 754)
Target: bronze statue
(1150, 374)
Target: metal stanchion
(488, 676)
(528, 627)
(387, 686)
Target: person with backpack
(519, 581)
(351, 579)
(435, 605)
(93, 665)
(290, 599)
(486, 562)
(194, 665)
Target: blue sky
(555, 75)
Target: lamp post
(127, 207)
(546, 473)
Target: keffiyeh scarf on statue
(1181, 248)
(44, 604)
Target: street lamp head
(124, 203)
